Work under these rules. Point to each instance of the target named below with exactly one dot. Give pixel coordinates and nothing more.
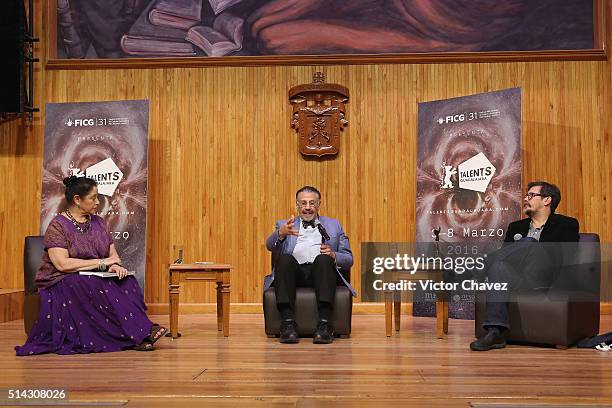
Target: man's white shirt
(308, 244)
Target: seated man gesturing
(311, 249)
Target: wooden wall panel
(11, 304)
(224, 163)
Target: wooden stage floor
(413, 369)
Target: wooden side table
(393, 303)
(219, 273)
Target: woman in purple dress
(85, 314)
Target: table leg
(388, 312)
(225, 290)
(219, 306)
(440, 316)
(175, 288)
(445, 323)
(397, 309)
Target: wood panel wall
(224, 163)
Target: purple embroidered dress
(84, 314)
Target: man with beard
(522, 262)
(312, 251)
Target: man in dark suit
(522, 262)
(311, 251)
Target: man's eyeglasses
(307, 203)
(529, 196)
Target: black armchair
(306, 313)
(559, 316)
(32, 255)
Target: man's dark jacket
(558, 228)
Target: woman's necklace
(82, 227)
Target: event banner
(108, 142)
(468, 181)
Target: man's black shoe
(288, 332)
(324, 334)
(494, 339)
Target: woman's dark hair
(80, 186)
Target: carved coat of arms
(318, 115)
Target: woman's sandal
(145, 346)
(157, 332)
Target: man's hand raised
(287, 229)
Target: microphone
(324, 234)
(518, 237)
(179, 260)
(436, 233)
